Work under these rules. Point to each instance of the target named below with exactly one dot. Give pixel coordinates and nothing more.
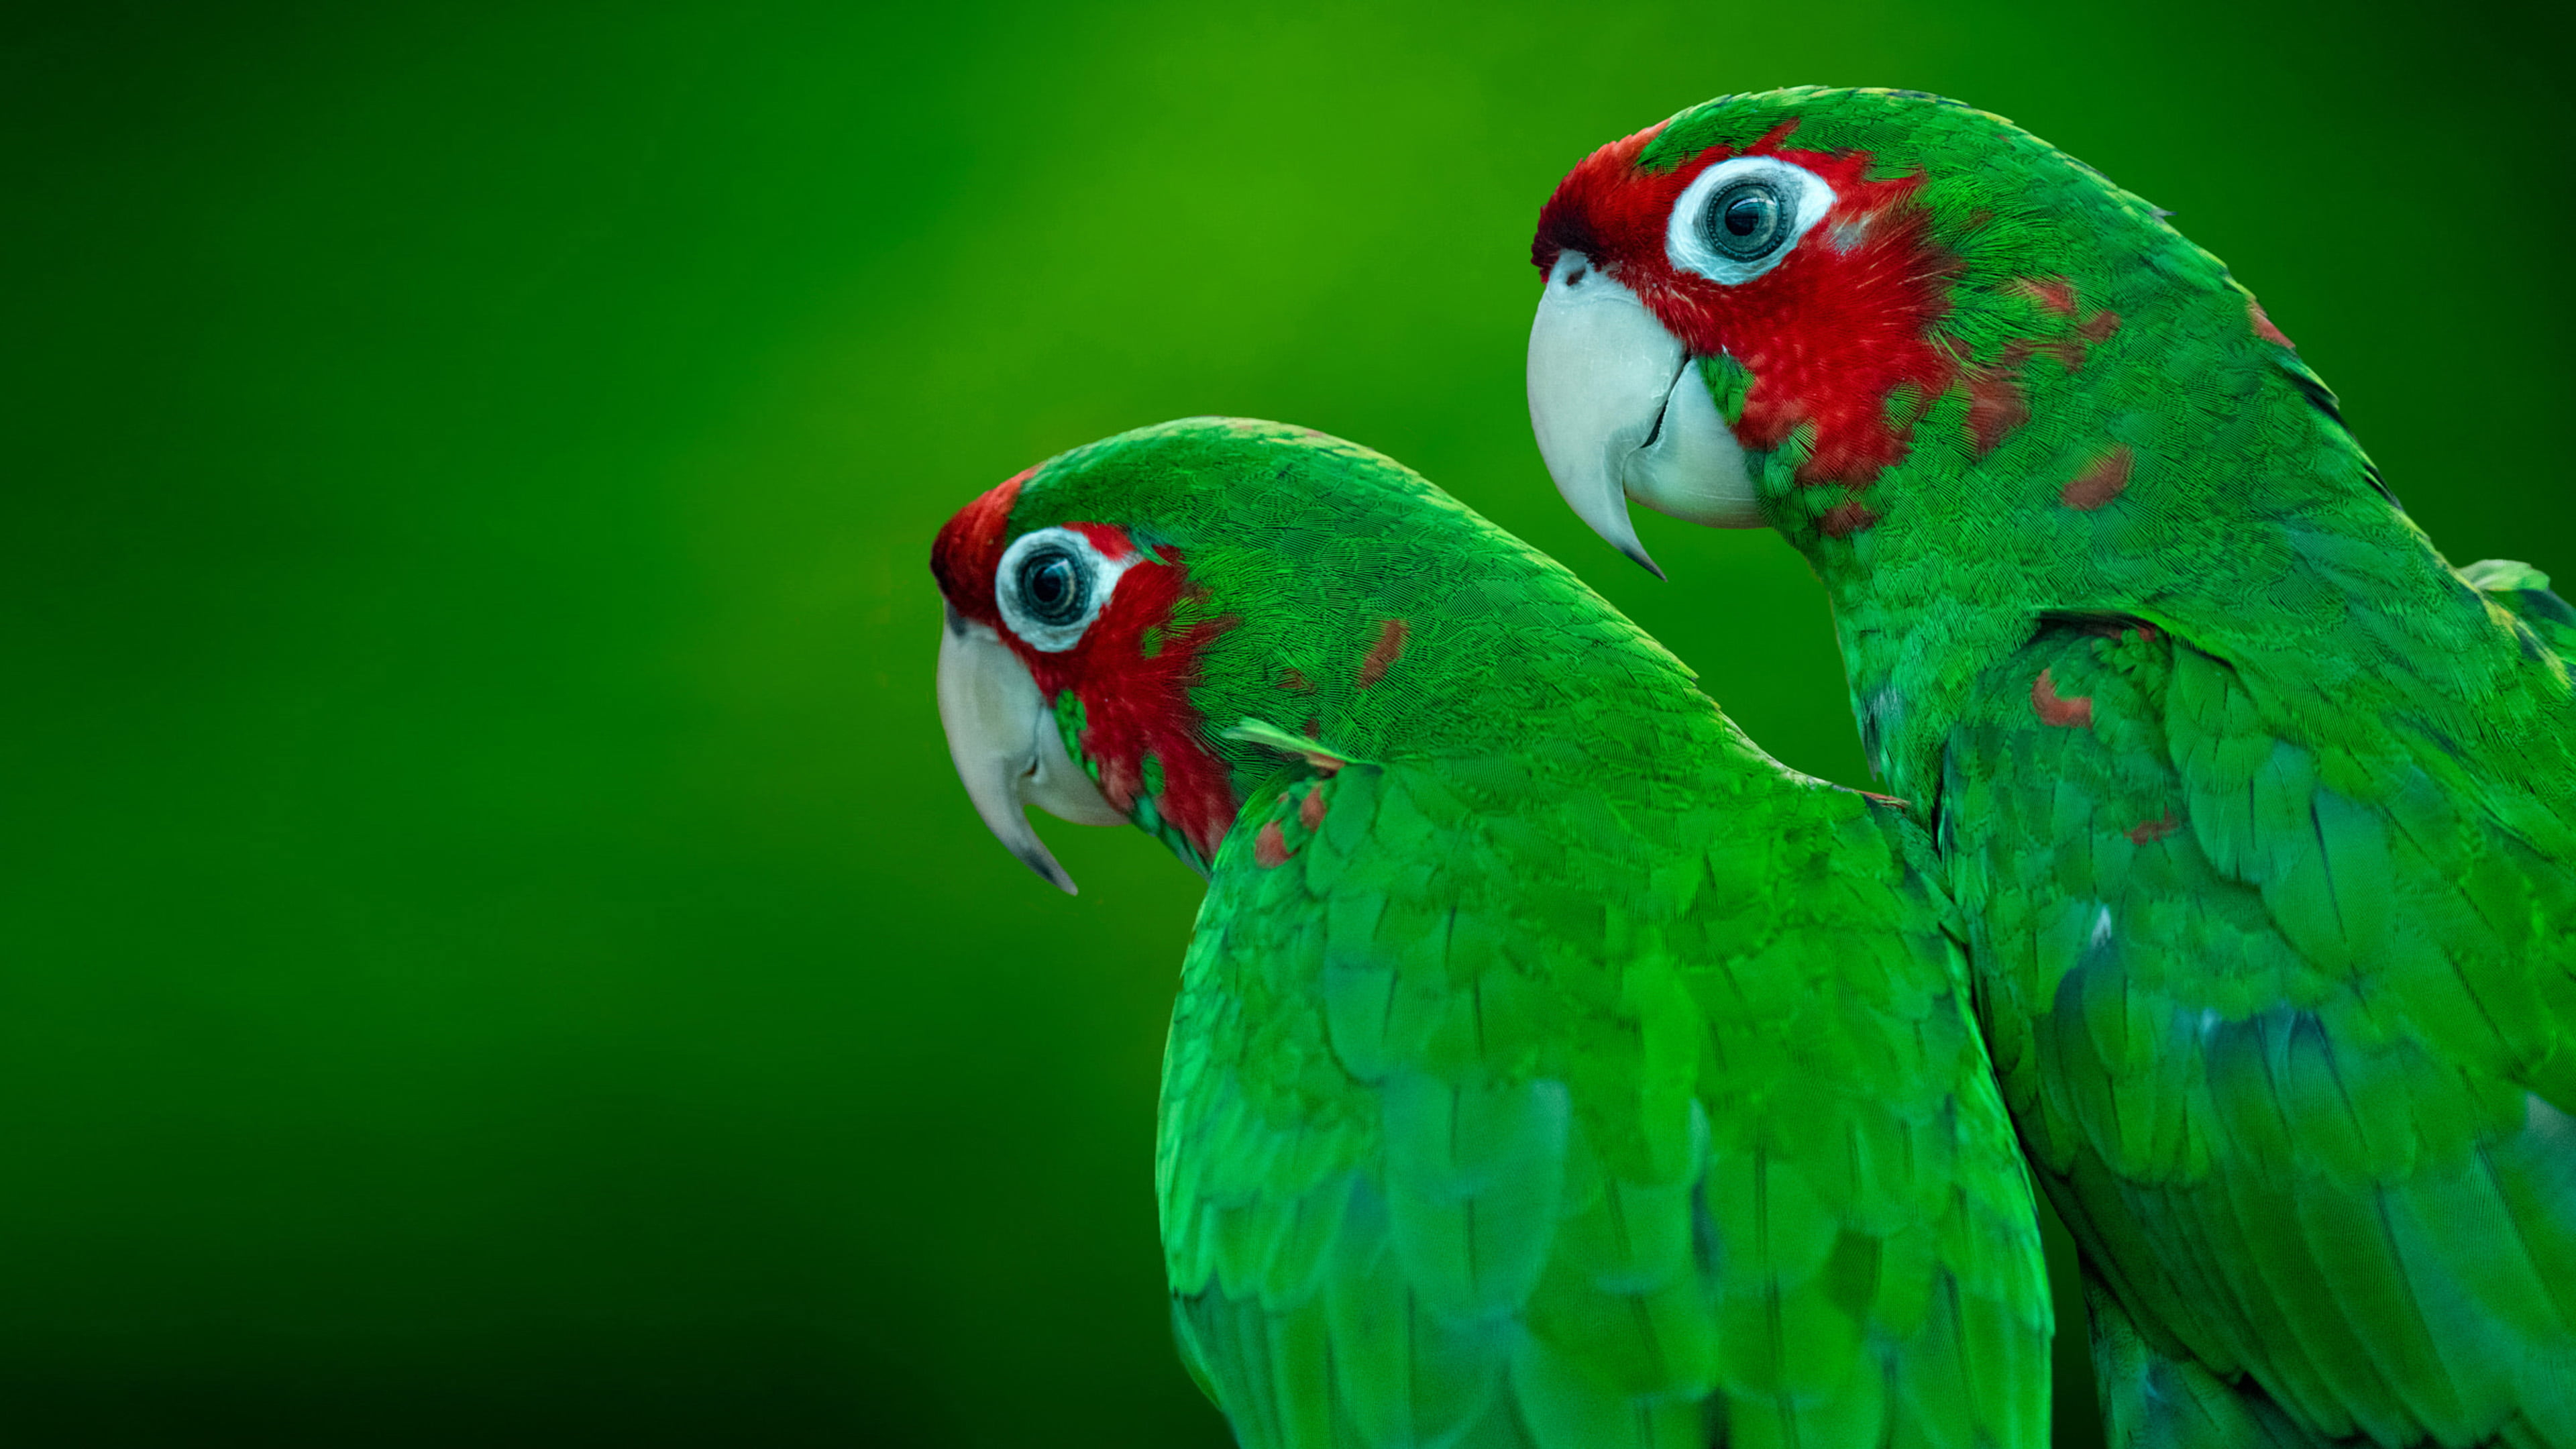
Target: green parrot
(2258, 812)
(1551, 1067)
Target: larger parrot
(1551, 1067)
(2259, 811)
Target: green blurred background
(494, 952)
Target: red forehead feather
(969, 548)
(1592, 198)
(1609, 210)
(971, 544)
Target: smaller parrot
(1551, 1068)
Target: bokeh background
(493, 950)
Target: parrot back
(1506, 1105)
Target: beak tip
(1043, 862)
(1638, 553)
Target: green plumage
(1550, 1067)
(2259, 812)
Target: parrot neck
(2229, 507)
(1489, 663)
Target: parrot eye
(1743, 221)
(1051, 585)
(1737, 219)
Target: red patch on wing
(1295, 681)
(1270, 846)
(1383, 654)
(2100, 482)
(1826, 335)
(2263, 327)
(2076, 712)
(1310, 811)
(2148, 832)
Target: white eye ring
(1800, 196)
(1084, 584)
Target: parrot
(1549, 1067)
(2260, 817)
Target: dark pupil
(1748, 221)
(1051, 587)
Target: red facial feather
(969, 548)
(1827, 335)
(1133, 705)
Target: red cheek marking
(1138, 705)
(1270, 847)
(1827, 335)
(2099, 483)
(2148, 832)
(2076, 713)
(1135, 705)
(1310, 811)
(1847, 518)
(1120, 780)
(1383, 654)
(2263, 327)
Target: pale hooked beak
(1007, 747)
(1620, 413)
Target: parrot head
(1118, 615)
(1820, 309)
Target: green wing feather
(2286, 1014)
(1498, 1113)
